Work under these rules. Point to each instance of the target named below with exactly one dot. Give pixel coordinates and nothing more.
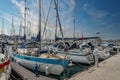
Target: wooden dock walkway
(27, 74)
(107, 70)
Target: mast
(59, 22)
(46, 21)
(13, 33)
(25, 9)
(50, 36)
(39, 22)
(74, 17)
(56, 23)
(2, 30)
(20, 30)
(29, 29)
(12, 27)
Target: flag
(82, 37)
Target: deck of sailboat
(26, 74)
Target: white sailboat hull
(80, 59)
(75, 57)
(103, 55)
(54, 69)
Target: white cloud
(20, 5)
(65, 10)
(94, 13)
(8, 22)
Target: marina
(59, 40)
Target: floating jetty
(27, 74)
(107, 70)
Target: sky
(91, 16)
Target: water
(75, 69)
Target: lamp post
(99, 38)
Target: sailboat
(101, 50)
(102, 53)
(5, 68)
(48, 63)
(75, 54)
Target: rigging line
(47, 18)
(56, 23)
(59, 22)
(60, 26)
(12, 27)
(43, 13)
(20, 29)
(2, 30)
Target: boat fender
(36, 68)
(15, 60)
(46, 70)
(18, 61)
(70, 64)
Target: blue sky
(91, 16)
